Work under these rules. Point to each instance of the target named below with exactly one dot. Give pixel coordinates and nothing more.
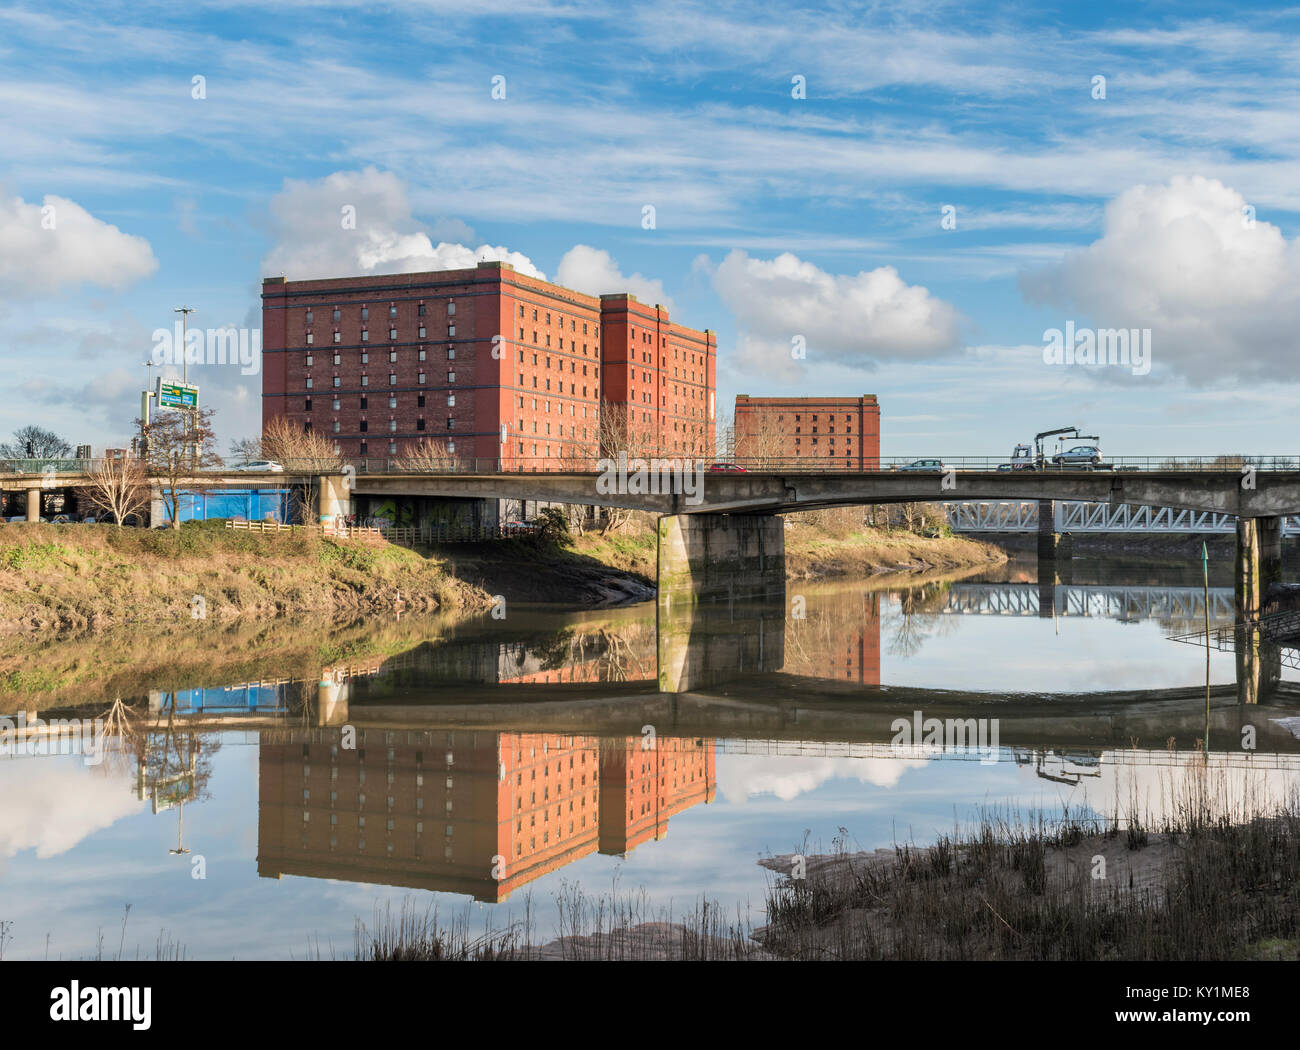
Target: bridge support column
(1258, 564)
(34, 504)
(1051, 544)
(334, 498)
(707, 557)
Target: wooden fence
(405, 535)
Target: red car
(726, 468)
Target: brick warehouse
(497, 368)
(836, 432)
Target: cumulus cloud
(855, 320)
(596, 272)
(57, 245)
(788, 778)
(360, 222)
(1219, 289)
(55, 803)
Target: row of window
(422, 355)
(337, 312)
(422, 333)
(337, 402)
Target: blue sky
(1171, 203)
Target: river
(492, 767)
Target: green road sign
(177, 395)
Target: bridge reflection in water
(483, 762)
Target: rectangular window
(421, 331)
(451, 377)
(307, 407)
(307, 338)
(309, 358)
(365, 380)
(392, 355)
(365, 336)
(420, 380)
(338, 337)
(392, 333)
(309, 382)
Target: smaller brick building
(830, 432)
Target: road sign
(177, 395)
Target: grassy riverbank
(94, 668)
(813, 549)
(94, 577)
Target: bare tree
(177, 445)
(118, 487)
(303, 453)
(433, 455)
(246, 450)
(759, 441)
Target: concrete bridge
(719, 536)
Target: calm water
(497, 762)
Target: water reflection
(479, 758)
(464, 812)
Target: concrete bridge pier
(34, 504)
(710, 557)
(1052, 545)
(1258, 564)
(334, 498)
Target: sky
(897, 199)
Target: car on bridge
(1079, 456)
(922, 464)
(726, 468)
(263, 466)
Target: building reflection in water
(479, 813)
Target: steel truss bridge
(1077, 516)
(1112, 603)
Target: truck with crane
(1078, 457)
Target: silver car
(1079, 456)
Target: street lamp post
(185, 312)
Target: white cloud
(596, 272)
(356, 222)
(58, 245)
(788, 778)
(55, 803)
(856, 320)
(1220, 294)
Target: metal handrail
(1222, 464)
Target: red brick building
(491, 365)
(832, 432)
(481, 813)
